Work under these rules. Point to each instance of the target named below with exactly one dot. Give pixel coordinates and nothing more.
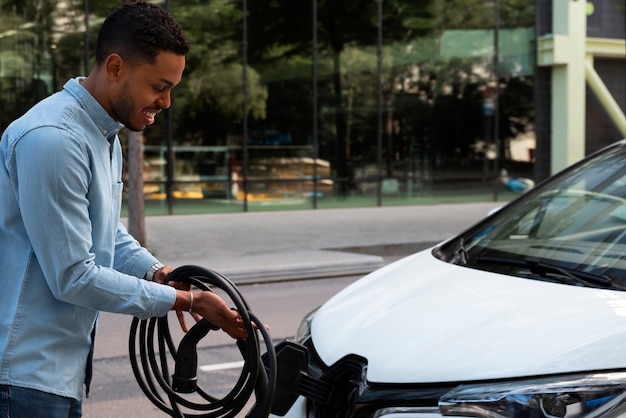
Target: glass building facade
(305, 105)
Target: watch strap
(153, 269)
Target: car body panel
(487, 325)
(530, 301)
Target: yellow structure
(570, 54)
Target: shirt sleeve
(130, 257)
(54, 175)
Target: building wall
(600, 130)
(606, 19)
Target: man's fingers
(181, 320)
(180, 285)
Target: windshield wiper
(552, 271)
(461, 252)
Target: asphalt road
(261, 247)
(281, 305)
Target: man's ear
(114, 65)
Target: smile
(149, 117)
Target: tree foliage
(429, 102)
(209, 101)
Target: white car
(521, 315)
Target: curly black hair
(138, 32)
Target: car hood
(424, 320)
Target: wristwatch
(153, 269)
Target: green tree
(25, 26)
(209, 100)
(287, 26)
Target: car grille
(353, 396)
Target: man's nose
(165, 101)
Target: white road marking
(221, 366)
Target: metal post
(315, 104)
(86, 36)
(496, 98)
(379, 130)
(169, 154)
(245, 106)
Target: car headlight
(304, 329)
(573, 396)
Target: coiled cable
(151, 369)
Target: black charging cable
(151, 368)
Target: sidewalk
(256, 247)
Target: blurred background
(304, 105)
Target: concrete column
(568, 82)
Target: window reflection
(336, 112)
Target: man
(64, 255)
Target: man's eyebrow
(166, 81)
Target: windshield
(570, 230)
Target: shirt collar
(107, 125)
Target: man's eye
(162, 88)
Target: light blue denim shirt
(64, 255)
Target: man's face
(144, 90)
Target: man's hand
(206, 305)
(160, 277)
(209, 306)
(213, 308)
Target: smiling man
(64, 254)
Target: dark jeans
(17, 402)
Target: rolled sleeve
(163, 299)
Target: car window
(574, 224)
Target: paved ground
(257, 247)
(261, 246)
